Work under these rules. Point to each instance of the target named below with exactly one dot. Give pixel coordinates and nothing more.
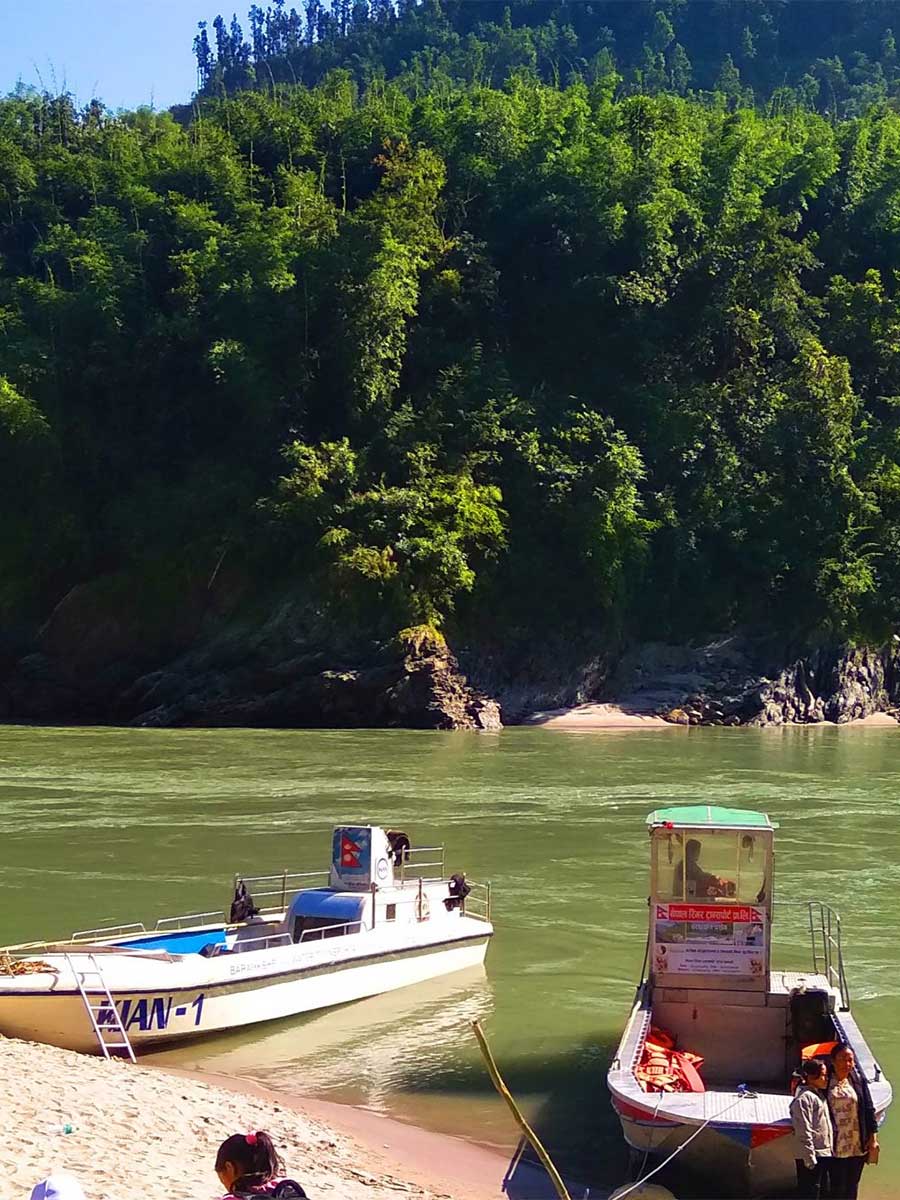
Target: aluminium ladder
(112, 1022)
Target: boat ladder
(98, 1000)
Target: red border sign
(730, 913)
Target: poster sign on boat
(709, 939)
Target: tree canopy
(501, 354)
(838, 56)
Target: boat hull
(729, 1154)
(158, 1015)
(739, 1137)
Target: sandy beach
(611, 716)
(140, 1133)
(596, 716)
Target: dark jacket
(864, 1107)
(275, 1188)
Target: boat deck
(722, 1102)
(763, 1108)
(786, 982)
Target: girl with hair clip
(248, 1165)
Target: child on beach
(248, 1165)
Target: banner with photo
(709, 939)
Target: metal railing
(107, 931)
(281, 886)
(825, 944)
(478, 902)
(242, 945)
(324, 931)
(176, 922)
(411, 864)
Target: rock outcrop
(742, 681)
(282, 673)
(189, 653)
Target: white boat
(383, 917)
(708, 983)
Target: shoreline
(140, 1132)
(610, 716)
(387, 1140)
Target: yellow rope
(532, 1137)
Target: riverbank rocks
(739, 681)
(280, 674)
(182, 654)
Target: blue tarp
(323, 902)
(186, 941)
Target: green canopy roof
(711, 815)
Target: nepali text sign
(733, 913)
(709, 939)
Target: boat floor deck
(786, 982)
(757, 1108)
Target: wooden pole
(529, 1133)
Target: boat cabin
(710, 973)
(376, 878)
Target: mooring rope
(678, 1149)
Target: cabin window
(390, 912)
(313, 929)
(669, 873)
(713, 864)
(751, 869)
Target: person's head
(58, 1187)
(692, 850)
(247, 1156)
(843, 1060)
(814, 1073)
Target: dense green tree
(503, 338)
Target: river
(105, 825)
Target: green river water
(100, 826)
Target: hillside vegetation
(508, 348)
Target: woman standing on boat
(813, 1130)
(855, 1127)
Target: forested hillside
(546, 356)
(837, 56)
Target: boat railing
(825, 944)
(179, 922)
(324, 931)
(242, 945)
(107, 931)
(280, 887)
(478, 902)
(412, 864)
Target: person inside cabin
(699, 882)
(855, 1126)
(811, 1119)
(248, 1164)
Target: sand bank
(610, 716)
(142, 1133)
(879, 718)
(596, 716)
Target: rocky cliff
(190, 657)
(186, 661)
(739, 680)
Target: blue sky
(127, 52)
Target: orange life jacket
(662, 1068)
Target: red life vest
(664, 1069)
